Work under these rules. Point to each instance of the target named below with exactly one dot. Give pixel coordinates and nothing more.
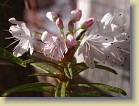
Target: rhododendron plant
(103, 43)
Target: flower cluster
(104, 43)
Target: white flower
(23, 35)
(91, 47)
(105, 42)
(55, 46)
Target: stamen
(12, 43)
(9, 37)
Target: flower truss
(105, 42)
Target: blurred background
(33, 12)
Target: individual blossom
(76, 15)
(23, 35)
(55, 47)
(71, 41)
(52, 16)
(88, 23)
(105, 42)
(91, 47)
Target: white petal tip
(13, 20)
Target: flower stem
(40, 33)
(76, 30)
(62, 33)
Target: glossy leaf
(9, 56)
(38, 86)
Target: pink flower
(88, 23)
(55, 47)
(22, 34)
(76, 15)
(52, 16)
(71, 41)
(59, 23)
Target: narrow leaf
(70, 70)
(90, 94)
(105, 68)
(58, 90)
(66, 71)
(38, 60)
(29, 87)
(42, 67)
(79, 67)
(63, 89)
(104, 87)
(9, 56)
(45, 74)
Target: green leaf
(66, 71)
(42, 67)
(58, 90)
(70, 70)
(38, 86)
(90, 94)
(7, 55)
(104, 87)
(45, 74)
(38, 60)
(63, 89)
(105, 68)
(73, 61)
(79, 67)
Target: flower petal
(21, 49)
(107, 18)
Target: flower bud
(70, 26)
(76, 15)
(59, 23)
(71, 41)
(88, 23)
(52, 16)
